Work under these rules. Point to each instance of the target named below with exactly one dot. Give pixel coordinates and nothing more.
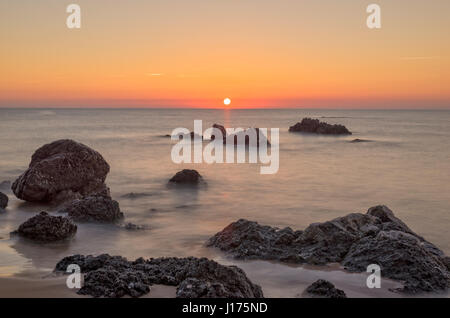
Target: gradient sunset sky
(195, 53)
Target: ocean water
(406, 167)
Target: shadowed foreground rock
(46, 228)
(115, 276)
(314, 126)
(356, 241)
(324, 289)
(94, 208)
(187, 176)
(3, 200)
(60, 171)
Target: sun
(227, 101)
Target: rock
(357, 140)
(5, 185)
(46, 228)
(309, 125)
(324, 289)
(242, 137)
(62, 170)
(115, 276)
(133, 227)
(222, 130)
(3, 200)
(187, 176)
(133, 195)
(356, 241)
(94, 208)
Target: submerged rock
(134, 195)
(187, 176)
(324, 289)
(94, 208)
(115, 276)
(60, 171)
(3, 200)
(356, 241)
(46, 228)
(309, 125)
(357, 140)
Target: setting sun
(227, 101)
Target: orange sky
(260, 53)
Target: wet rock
(3, 201)
(115, 276)
(309, 125)
(324, 289)
(94, 208)
(356, 241)
(357, 140)
(46, 228)
(133, 195)
(5, 185)
(60, 171)
(133, 227)
(187, 176)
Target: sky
(258, 53)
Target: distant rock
(356, 241)
(5, 185)
(46, 228)
(314, 126)
(136, 195)
(243, 136)
(61, 171)
(115, 276)
(94, 208)
(357, 140)
(3, 201)
(324, 289)
(222, 130)
(187, 176)
(133, 227)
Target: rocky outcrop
(46, 228)
(115, 276)
(187, 176)
(247, 137)
(60, 171)
(3, 201)
(93, 208)
(324, 289)
(314, 126)
(356, 241)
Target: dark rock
(133, 227)
(222, 130)
(360, 140)
(115, 276)
(356, 241)
(94, 208)
(242, 137)
(46, 228)
(187, 176)
(324, 289)
(133, 195)
(62, 170)
(309, 125)
(3, 200)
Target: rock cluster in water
(309, 125)
(356, 241)
(115, 276)
(94, 208)
(324, 289)
(187, 176)
(60, 171)
(242, 137)
(3, 201)
(47, 228)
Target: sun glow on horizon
(227, 101)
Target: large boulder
(115, 276)
(324, 289)
(3, 200)
(93, 208)
(356, 241)
(187, 176)
(315, 126)
(47, 228)
(62, 170)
